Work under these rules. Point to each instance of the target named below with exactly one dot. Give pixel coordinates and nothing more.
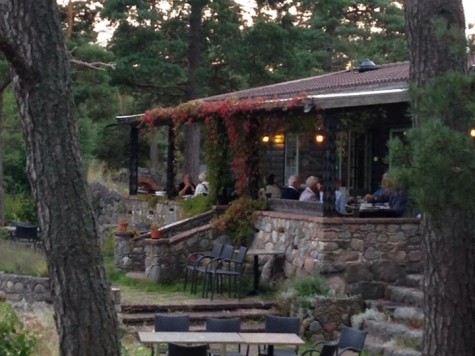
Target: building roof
(389, 76)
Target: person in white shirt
(340, 199)
(313, 188)
(202, 188)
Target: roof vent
(366, 65)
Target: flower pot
(155, 234)
(123, 225)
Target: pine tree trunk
(435, 31)
(5, 83)
(32, 41)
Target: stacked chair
(224, 326)
(171, 323)
(283, 325)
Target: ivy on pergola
(233, 131)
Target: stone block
(348, 256)
(415, 256)
(382, 238)
(397, 237)
(327, 268)
(337, 284)
(309, 265)
(388, 271)
(371, 254)
(358, 272)
(357, 245)
(368, 290)
(327, 246)
(393, 228)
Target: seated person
(186, 187)
(292, 192)
(340, 199)
(396, 198)
(313, 188)
(202, 187)
(272, 188)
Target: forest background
(146, 63)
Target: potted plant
(122, 210)
(154, 230)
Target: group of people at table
(394, 199)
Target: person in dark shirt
(292, 192)
(397, 199)
(186, 187)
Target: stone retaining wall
(357, 255)
(323, 319)
(36, 289)
(27, 288)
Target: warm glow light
(472, 133)
(319, 138)
(279, 138)
(265, 139)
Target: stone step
(196, 305)
(385, 330)
(406, 295)
(200, 317)
(395, 351)
(414, 281)
(383, 305)
(412, 316)
(373, 346)
(376, 347)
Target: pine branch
(93, 65)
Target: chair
(184, 350)
(350, 339)
(165, 322)
(195, 261)
(282, 325)
(327, 350)
(224, 326)
(226, 255)
(233, 271)
(27, 235)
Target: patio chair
(327, 350)
(197, 260)
(283, 325)
(350, 339)
(233, 272)
(224, 326)
(171, 323)
(27, 235)
(184, 350)
(207, 269)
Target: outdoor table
(256, 253)
(271, 339)
(378, 212)
(189, 337)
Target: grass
(18, 259)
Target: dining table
(256, 252)
(223, 338)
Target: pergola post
(171, 162)
(329, 170)
(133, 160)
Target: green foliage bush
(14, 339)
(19, 259)
(238, 220)
(19, 207)
(300, 292)
(196, 205)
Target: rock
(388, 271)
(368, 290)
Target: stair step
(200, 317)
(414, 281)
(406, 295)
(196, 305)
(390, 351)
(409, 315)
(373, 346)
(383, 305)
(385, 330)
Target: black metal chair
(327, 350)
(184, 350)
(233, 271)
(171, 323)
(27, 235)
(224, 326)
(282, 325)
(207, 269)
(350, 339)
(197, 260)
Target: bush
(196, 205)
(14, 340)
(19, 259)
(19, 207)
(301, 292)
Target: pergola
(325, 95)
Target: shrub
(19, 259)
(196, 205)
(19, 207)
(301, 292)
(14, 340)
(238, 220)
